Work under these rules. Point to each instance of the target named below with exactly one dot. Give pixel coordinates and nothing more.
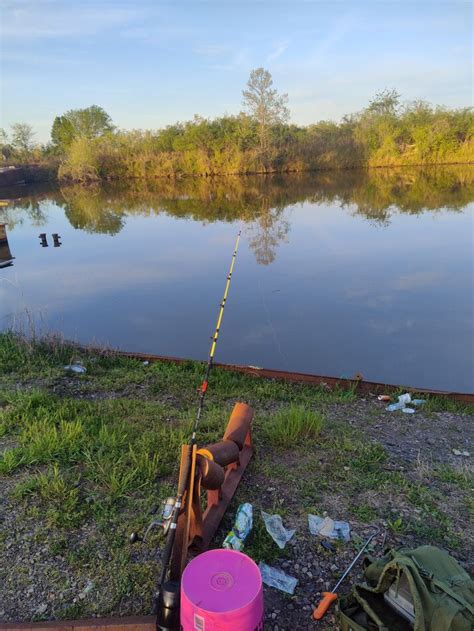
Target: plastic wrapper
(327, 527)
(276, 529)
(403, 399)
(240, 530)
(278, 579)
(77, 367)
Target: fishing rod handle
(324, 604)
(171, 536)
(166, 558)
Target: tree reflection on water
(259, 201)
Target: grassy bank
(85, 458)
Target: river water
(337, 273)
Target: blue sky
(152, 63)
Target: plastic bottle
(241, 528)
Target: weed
(110, 475)
(44, 441)
(10, 460)
(292, 425)
(369, 457)
(59, 545)
(443, 404)
(397, 525)
(61, 497)
(461, 475)
(74, 611)
(28, 486)
(364, 513)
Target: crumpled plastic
(327, 527)
(403, 399)
(276, 530)
(241, 528)
(277, 578)
(76, 367)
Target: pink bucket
(221, 590)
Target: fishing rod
(167, 601)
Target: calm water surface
(336, 273)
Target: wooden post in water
(6, 258)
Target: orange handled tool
(324, 604)
(330, 597)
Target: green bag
(440, 590)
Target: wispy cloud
(27, 19)
(37, 59)
(278, 51)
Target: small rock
(333, 568)
(458, 452)
(41, 609)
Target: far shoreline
(25, 174)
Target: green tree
(264, 104)
(5, 148)
(90, 122)
(22, 140)
(386, 102)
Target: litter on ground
(278, 579)
(403, 399)
(459, 452)
(78, 368)
(241, 528)
(327, 527)
(277, 530)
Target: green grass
(292, 425)
(462, 475)
(259, 545)
(61, 496)
(363, 512)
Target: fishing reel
(166, 517)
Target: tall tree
(263, 103)
(89, 122)
(5, 149)
(385, 102)
(22, 139)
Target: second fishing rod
(167, 601)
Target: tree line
(87, 146)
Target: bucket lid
(221, 581)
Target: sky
(151, 63)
